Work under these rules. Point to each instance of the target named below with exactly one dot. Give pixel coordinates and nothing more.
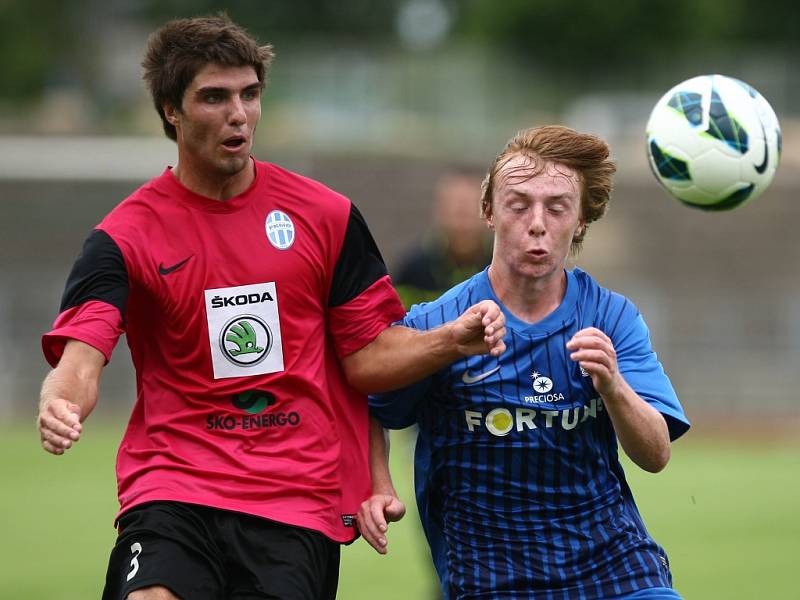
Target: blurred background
(377, 100)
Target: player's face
(217, 120)
(534, 219)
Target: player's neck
(214, 185)
(529, 299)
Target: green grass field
(727, 511)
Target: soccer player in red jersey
(257, 309)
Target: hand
(373, 518)
(594, 352)
(59, 424)
(480, 330)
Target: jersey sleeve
(642, 370)
(362, 301)
(94, 301)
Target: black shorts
(202, 553)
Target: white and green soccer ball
(713, 142)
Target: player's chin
(539, 270)
(231, 165)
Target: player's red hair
(586, 154)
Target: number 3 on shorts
(136, 550)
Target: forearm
(400, 356)
(76, 378)
(640, 428)
(61, 383)
(383, 506)
(379, 459)
(69, 394)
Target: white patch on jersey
(244, 330)
(280, 230)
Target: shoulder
(141, 222)
(601, 306)
(302, 188)
(143, 204)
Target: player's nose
(237, 114)
(536, 225)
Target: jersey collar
(170, 185)
(561, 317)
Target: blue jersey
(518, 481)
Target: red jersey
(237, 313)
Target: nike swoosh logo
(468, 379)
(763, 166)
(167, 270)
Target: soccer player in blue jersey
(518, 481)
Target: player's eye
(250, 94)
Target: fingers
(480, 330)
(589, 335)
(58, 450)
(497, 348)
(490, 313)
(377, 518)
(591, 339)
(55, 444)
(59, 425)
(373, 516)
(371, 521)
(589, 359)
(594, 351)
(494, 326)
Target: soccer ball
(713, 142)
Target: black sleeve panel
(360, 263)
(99, 273)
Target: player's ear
(488, 215)
(170, 114)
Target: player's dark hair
(586, 154)
(181, 48)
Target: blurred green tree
(585, 36)
(49, 42)
(36, 41)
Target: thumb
(394, 509)
(476, 316)
(75, 410)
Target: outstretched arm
(641, 429)
(383, 506)
(399, 356)
(69, 394)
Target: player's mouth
(537, 253)
(234, 143)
